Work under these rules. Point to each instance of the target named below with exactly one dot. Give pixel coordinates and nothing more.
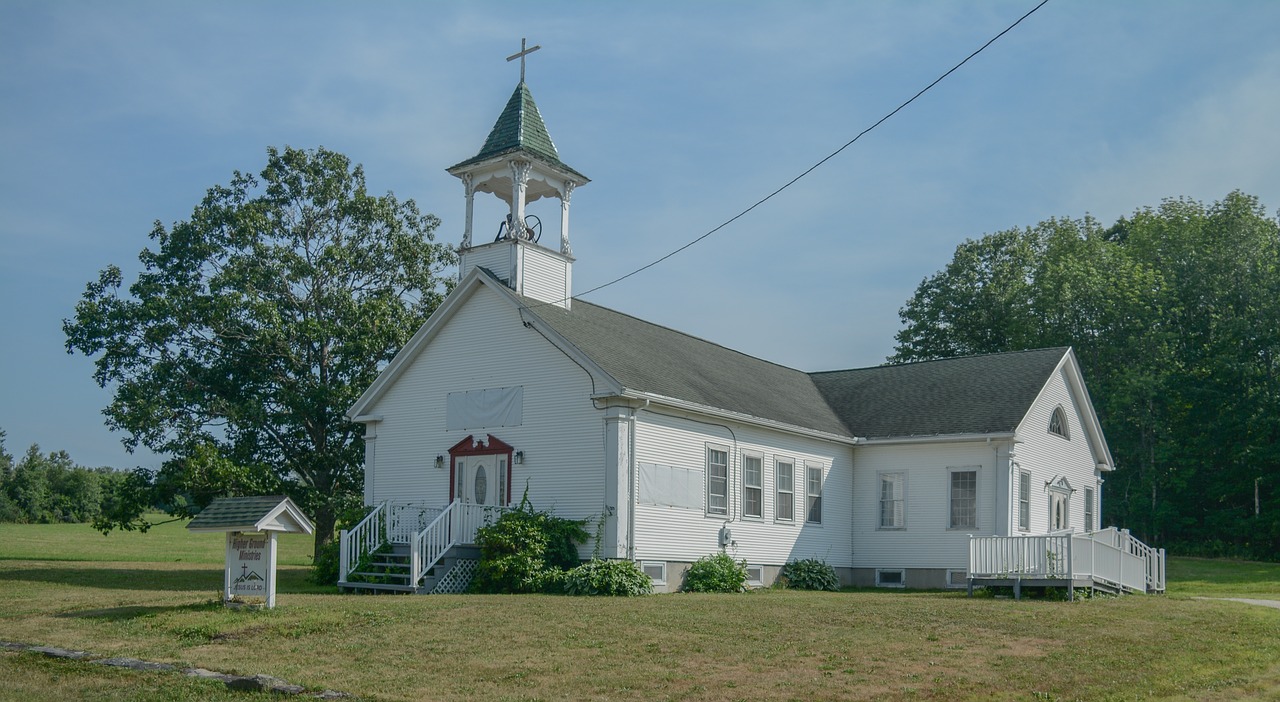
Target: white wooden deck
(1109, 559)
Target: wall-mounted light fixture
(519, 458)
(439, 462)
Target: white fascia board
(938, 439)
(400, 363)
(687, 406)
(366, 418)
(291, 513)
(599, 376)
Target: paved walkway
(1261, 603)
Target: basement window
(891, 578)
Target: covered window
(752, 486)
(1058, 423)
(814, 513)
(717, 480)
(893, 501)
(964, 499)
(1089, 524)
(784, 482)
(1024, 500)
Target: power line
(815, 166)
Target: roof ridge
(1063, 349)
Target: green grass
(768, 644)
(166, 543)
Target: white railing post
(342, 556)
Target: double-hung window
(964, 499)
(1089, 524)
(1024, 500)
(717, 480)
(893, 501)
(784, 481)
(814, 490)
(752, 485)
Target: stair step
(396, 576)
(377, 587)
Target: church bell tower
(519, 164)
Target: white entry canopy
(252, 514)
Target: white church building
(917, 475)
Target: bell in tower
(519, 164)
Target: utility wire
(815, 166)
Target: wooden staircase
(388, 572)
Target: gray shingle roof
(230, 512)
(654, 359)
(520, 128)
(970, 395)
(975, 394)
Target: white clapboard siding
(544, 274)
(1049, 456)
(485, 345)
(926, 542)
(497, 258)
(678, 534)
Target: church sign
(251, 525)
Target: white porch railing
(456, 524)
(361, 540)
(429, 531)
(405, 519)
(1109, 556)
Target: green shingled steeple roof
(520, 128)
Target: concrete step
(376, 588)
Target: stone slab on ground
(243, 683)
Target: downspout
(631, 483)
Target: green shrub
(716, 573)
(613, 578)
(810, 574)
(525, 551)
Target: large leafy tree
(253, 326)
(1175, 315)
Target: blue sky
(119, 114)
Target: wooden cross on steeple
(523, 52)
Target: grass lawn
(768, 644)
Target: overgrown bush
(716, 573)
(613, 578)
(810, 574)
(526, 551)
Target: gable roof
(519, 128)
(974, 395)
(970, 395)
(272, 513)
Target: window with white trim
(957, 578)
(893, 500)
(784, 473)
(964, 499)
(656, 570)
(891, 578)
(752, 485)
(1089, 524)
(717, 480)
(1024, 500)
(813, 513)
(1058, 423)
(755, 576)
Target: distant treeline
(47, 488)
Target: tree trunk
(325, 520)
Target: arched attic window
(1058, 423)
